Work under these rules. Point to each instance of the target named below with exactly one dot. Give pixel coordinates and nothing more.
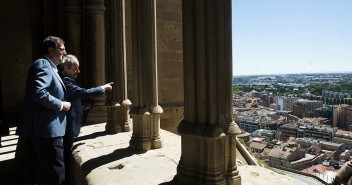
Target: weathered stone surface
(101, 159)
(255, 175)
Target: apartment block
(288, 130)
(337, 95)
(343, 116)
(248, 124)
(306, 108)
(348, 112)
(342, 136)
(285, 103)
(322, 132)
(325, 112)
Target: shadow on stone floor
(92, 164)
(91, 136)
(10, 172)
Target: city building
(342, 115)
(331, 148)
(306, 108)
(325, 112)
(348, 112)
(269, 135)
(323, 132)
(336, 95)
(257, 145)
(342, 136)
(249, 124)
(286, 153)
(285, 103)
(288, 130)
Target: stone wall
(25, 24)
(15, 54)
(170, 60)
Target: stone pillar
(95, 21)
(73, 20)
(146, 111)
(50, 18)
(118, 112)
(344, 175)
(208, 134)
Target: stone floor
(106, 159)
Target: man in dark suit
(69, 69)
(43, 122)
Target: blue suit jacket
(74, 95)
(45, 92)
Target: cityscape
(301, 122)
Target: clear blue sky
(291, 36)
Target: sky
(291, 36)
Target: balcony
(100, 158)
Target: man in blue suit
(43, 122)
(69, 69)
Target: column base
(141, 131)
(233, 177)
(112, 128)
(146, 128)
(208, 160)
(140, 144)
(118, 119)
(126, 127)
(156, 144)
(189, 175)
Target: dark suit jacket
(74, 95)
(45, 92)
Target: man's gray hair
(67, 61)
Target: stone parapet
(100, 159)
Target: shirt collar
(52, 64)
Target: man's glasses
(61, 49)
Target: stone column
(208, 134)
(95, 11)
(146, 111)
(73, 20)
(118, 112)
(50, 18)
(344, 175)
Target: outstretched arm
(107, 87)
